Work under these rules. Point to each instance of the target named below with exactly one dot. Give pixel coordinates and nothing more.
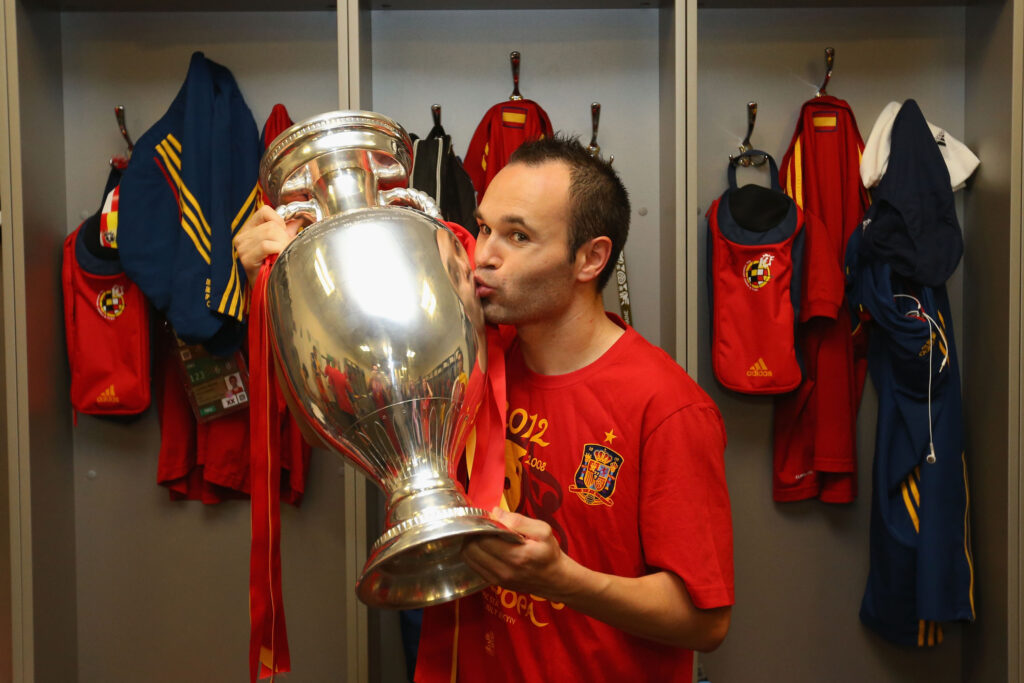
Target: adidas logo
(759, 369)
(108, 396)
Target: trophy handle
(410, 197)
(286, 211)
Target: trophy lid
(369, 137)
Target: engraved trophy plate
(379, 337)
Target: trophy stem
(418, 560)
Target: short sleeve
(685, 518)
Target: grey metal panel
(47, 542)
(801, 567)
(827, 4)
(163, 587)
(10, 270)
(315, 5)
(671, 170)
(182, 5)
(517, 4)
(7, 500)
(688, 291)
(991, 288)
(354, 82)
(1015, 412)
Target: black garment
(911, 224)
(438, 172)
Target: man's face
(523, 273)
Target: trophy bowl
(379, 339)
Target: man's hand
(263, 234)
(537, 566)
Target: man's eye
(484, 229)
(519, 236)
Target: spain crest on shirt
(595, 477)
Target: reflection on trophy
(379, 338)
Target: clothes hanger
(748, 156)
(121, 161)
(514, 57)
(830, 57)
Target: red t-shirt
(623, 458)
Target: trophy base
(419, 561)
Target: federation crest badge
(758, 273)
(110, 302)
(596, 475)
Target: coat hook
(118, 161)
(514, 57)
(119, 114)
(830, 57)
(751, 119)
(595, 117)
(435, 111)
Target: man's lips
(483, 290)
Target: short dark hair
(598, 201)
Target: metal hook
(742, 159)
(514, 57)
(830, 57)
(595, 117)
(118, 161)
(119, 114)
(435, 111)
(751, 119)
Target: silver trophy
(379, 338)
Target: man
(613, 455)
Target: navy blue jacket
(190, 185)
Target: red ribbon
(268, 638)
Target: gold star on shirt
(609, 436)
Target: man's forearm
(655, 606)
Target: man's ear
(591, 258)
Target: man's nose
(485, 255)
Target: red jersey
(815, 447)
(502, 130)
(630, 476)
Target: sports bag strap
(752, 154)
